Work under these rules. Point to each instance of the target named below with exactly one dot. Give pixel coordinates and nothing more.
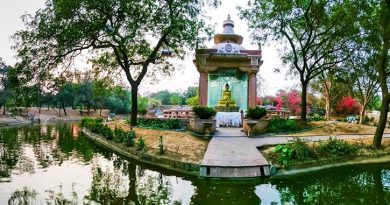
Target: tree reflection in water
(346, 185)
(131, 187)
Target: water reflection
(56, 164)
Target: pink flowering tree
(348, 106)
(294, 102)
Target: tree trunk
(303, 101)
(59, 111)
(100, 113)
(88, 110)
(382, 122)
(64, 109)
(381, 67)
(134, 105)
(362, 112)
(327, 108)
(4, 109)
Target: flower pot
(199, 125)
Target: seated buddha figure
(226, 100)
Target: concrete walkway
(237, 150)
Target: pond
(56, 164)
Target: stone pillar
(203, 86)
(252, 90)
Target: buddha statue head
(227, 87)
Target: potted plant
(253, 116)
(203, 123)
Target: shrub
(256, 113)
(107, 132)
(161, 145)
(171, 124)
(119, 135)
(316, 118)
(348, 106)
(283, 125)
(86, 121)
(203, 112)
(298, 150)
(141, 144)
(337, 147)
(129, 139)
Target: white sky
(187, 75)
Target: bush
(256, 113)
(167, 124)
(204, 112)
(119, 135)
(141, 144)
(107, 132)
(316, 118)
(283, 125)
(298, 150)
(129, 139)
(337, 147)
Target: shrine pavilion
(227, 72)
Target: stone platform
(233, 156)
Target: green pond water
(55, 164)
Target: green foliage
(298, 150)
(166, 124)
(256, 113)
(283, 125)
(119, 135)
(176, 99)
(141, 144)
(161, 146)
(96, 126)
(129, 140)
(119, 101)
(193, 101)
(337, 147)
(154, 103)
(107, 132)
(142, 105)
(204, 112)
(316, 118)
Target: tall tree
(364, 77)
(125, 34)
(318, 34)
(377, 26)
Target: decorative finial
(228, 25)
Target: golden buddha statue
(226, 100)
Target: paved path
(228, 151)
(229, 131)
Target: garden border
(174, 165)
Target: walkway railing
(176, 113)
(279, 113)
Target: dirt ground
(338, 128)
(47, 115)
(179, 145)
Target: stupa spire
(228, 26)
